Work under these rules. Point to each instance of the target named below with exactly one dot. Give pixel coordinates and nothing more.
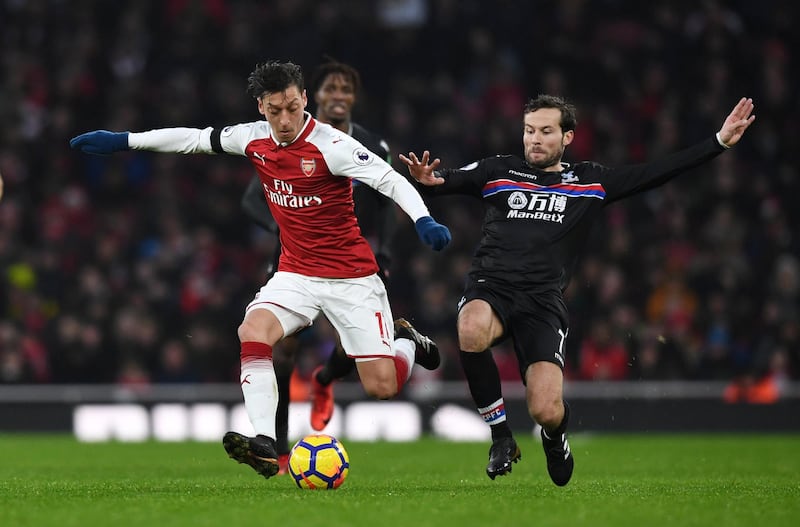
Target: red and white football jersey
(307, 186)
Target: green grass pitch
(653, 480)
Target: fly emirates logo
(282, 194)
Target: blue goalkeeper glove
(100, 142)
(434, 234)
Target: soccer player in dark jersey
(326, 265)
(335, 86)
(538, 212)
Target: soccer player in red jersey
(335, 87)
(326, 265)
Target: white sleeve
(399, 189)
(175, 140)
(351, 159)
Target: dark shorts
(537, 324)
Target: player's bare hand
(422, 169)
(740, 118)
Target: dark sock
(555, 434)
(483, 380)
(337, 366)
(283, 375)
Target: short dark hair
(331, 67)
(274, 77)
(569, 120)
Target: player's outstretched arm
(177, 140)
(740, 118)
(422, 170)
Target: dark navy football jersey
(536, 223)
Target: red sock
(401, 370)
(255, 351)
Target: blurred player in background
(326, 266)
(335, 86)
(539, 211)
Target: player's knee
(474, 331)
(380, 387)
(472, 338)
(248, 332)
(547, 413)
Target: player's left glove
(100, 142)
(434, 234)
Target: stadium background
(133, 270)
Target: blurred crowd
(135, 268)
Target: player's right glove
(434, 234)
(100, 142)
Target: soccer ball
(318, 461)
